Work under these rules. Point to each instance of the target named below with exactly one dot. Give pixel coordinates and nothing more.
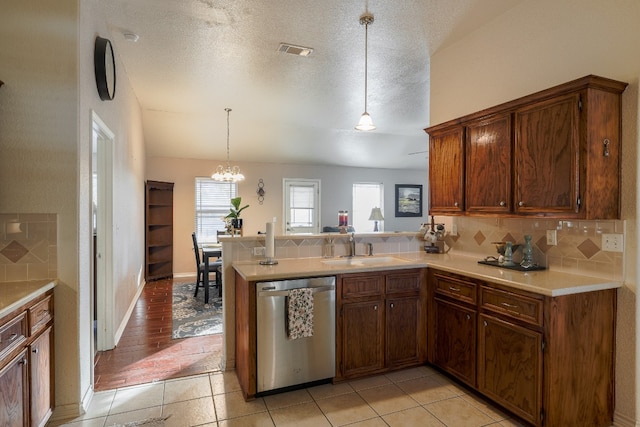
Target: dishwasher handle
(267, 292)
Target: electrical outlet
(454, 229)
(552, 237)
(612, 242)
(259, 251)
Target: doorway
(102, 223)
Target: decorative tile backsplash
(28, 247)
(579, 248)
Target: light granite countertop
(544, 282)
(15, 294)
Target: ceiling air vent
(295, 50)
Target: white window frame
(208, 219)
(361, 210)
(288, 183)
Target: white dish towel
(300, 313)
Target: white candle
(270, 242)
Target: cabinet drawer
(12, 334)
(409, 282)
(457, 289)
(512, 305)
(362, 286)
(40, 314)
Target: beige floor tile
(224, 382)
(369, 382)
(303, 415)
(413, 417)
(138, 397)
(100, 405)
(387, 398)
(233, 405)
(410, 374)
(345, 409)
(282, 400)
(428, 389)
(485, 407)
(511, 423)
(91, 422)
(186, 389)
(458, 412)
(330, 390)
(372, 422)
(261, 419)
(189, 412)
(138, 415)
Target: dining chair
(215, 266)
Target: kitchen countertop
(544, 282)
(15, 294)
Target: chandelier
(228, 173)
(365, 122)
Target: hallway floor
(198, 394)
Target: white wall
(46, 62)
(336, 193)
(536, 45)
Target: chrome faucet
(369, 247)
(352, 245)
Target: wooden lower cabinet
(14, 392)
(548, 360)
(381, 323)
(362, 333)
(510, 367)
(26, 364)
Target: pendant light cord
(228, 110)
(366, 56)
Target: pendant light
(228, 173)
(365, 122)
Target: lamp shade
(376, 215)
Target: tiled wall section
(579, 248)
(28, 248)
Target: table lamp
(376, 215)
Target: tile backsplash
(578, 249)
(28, 247)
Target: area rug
(191, 316)
(148, 422)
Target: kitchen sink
(357, 261)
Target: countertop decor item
(234, 213)
(376, 215)
(228, 173)
(365, 122)
(104, 64)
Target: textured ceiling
(196, 57)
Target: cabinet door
(40, 378)
(510, 367)
(14, 393)
(362, 335)
(446, 171)
(403, 334)
(546, 157)
(488, 165)
(455, 340)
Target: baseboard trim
(620, 420)
(125, 319)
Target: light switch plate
(552, 237)
(612, 242)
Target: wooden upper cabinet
(446, 171)
(547, 156)
(554, 153)
(488, 165)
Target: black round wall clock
(105, 68)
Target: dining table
(208, 252)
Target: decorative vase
(508, 255)
(527, 253)
(236, 223)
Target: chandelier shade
(228, 173)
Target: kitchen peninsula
(540, 344)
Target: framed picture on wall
(408, 200)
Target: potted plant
(234, 214)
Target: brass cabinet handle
(452, 289)
(509, 305)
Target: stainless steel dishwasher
(282, 362)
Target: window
(301, 206)
(366, 196)
(213, 201)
